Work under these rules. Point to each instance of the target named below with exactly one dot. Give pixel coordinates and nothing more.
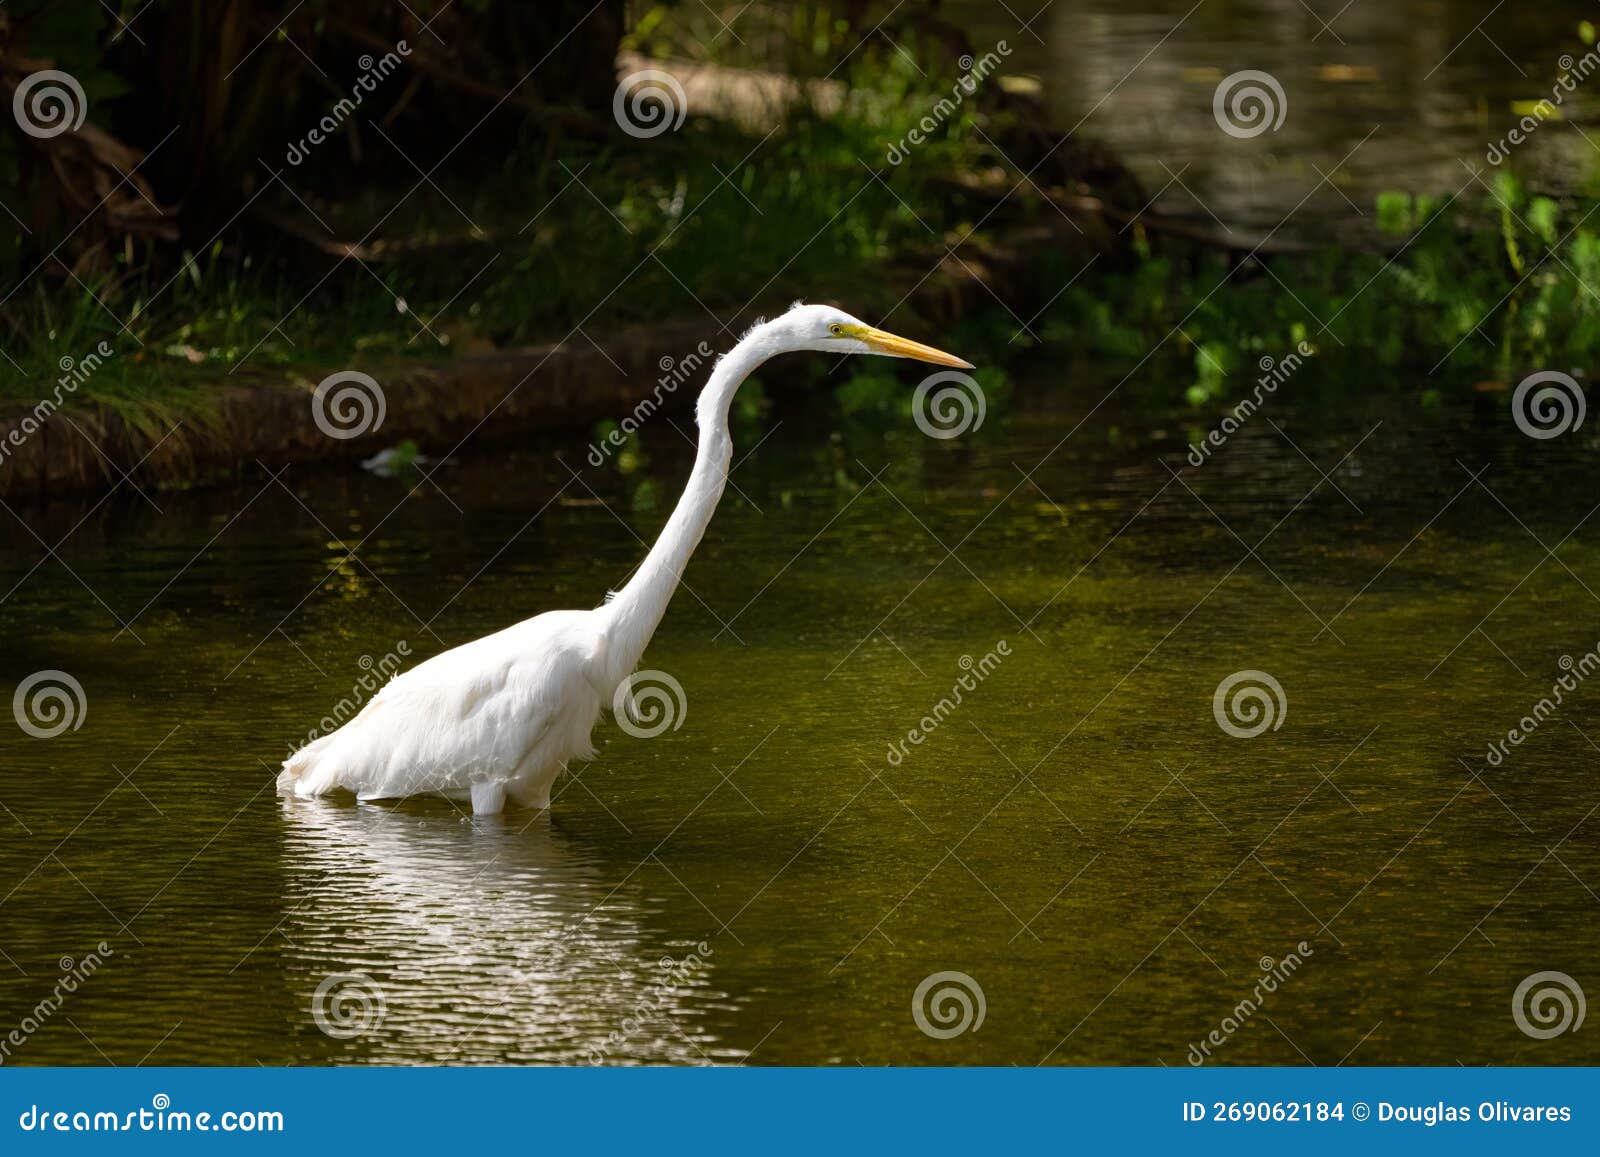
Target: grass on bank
(541, 247)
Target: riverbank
(264, 421)
(543, 288)
(560, 315)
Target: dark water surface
(1406, 95)
(1079, 836)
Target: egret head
(829, 330)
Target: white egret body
(500, 717)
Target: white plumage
(500, 717)
(495, 717)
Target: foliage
(553, 238)
(1466, 289)
(538, 231)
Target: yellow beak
(902, 347)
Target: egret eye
(836, 329)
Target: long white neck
(635, 611)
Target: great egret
(501, 716)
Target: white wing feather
(506, 711)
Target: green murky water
(1079, 836)
(1408, 95)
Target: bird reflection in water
(425, 937)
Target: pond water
(1406, 95)
(1080, 836)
